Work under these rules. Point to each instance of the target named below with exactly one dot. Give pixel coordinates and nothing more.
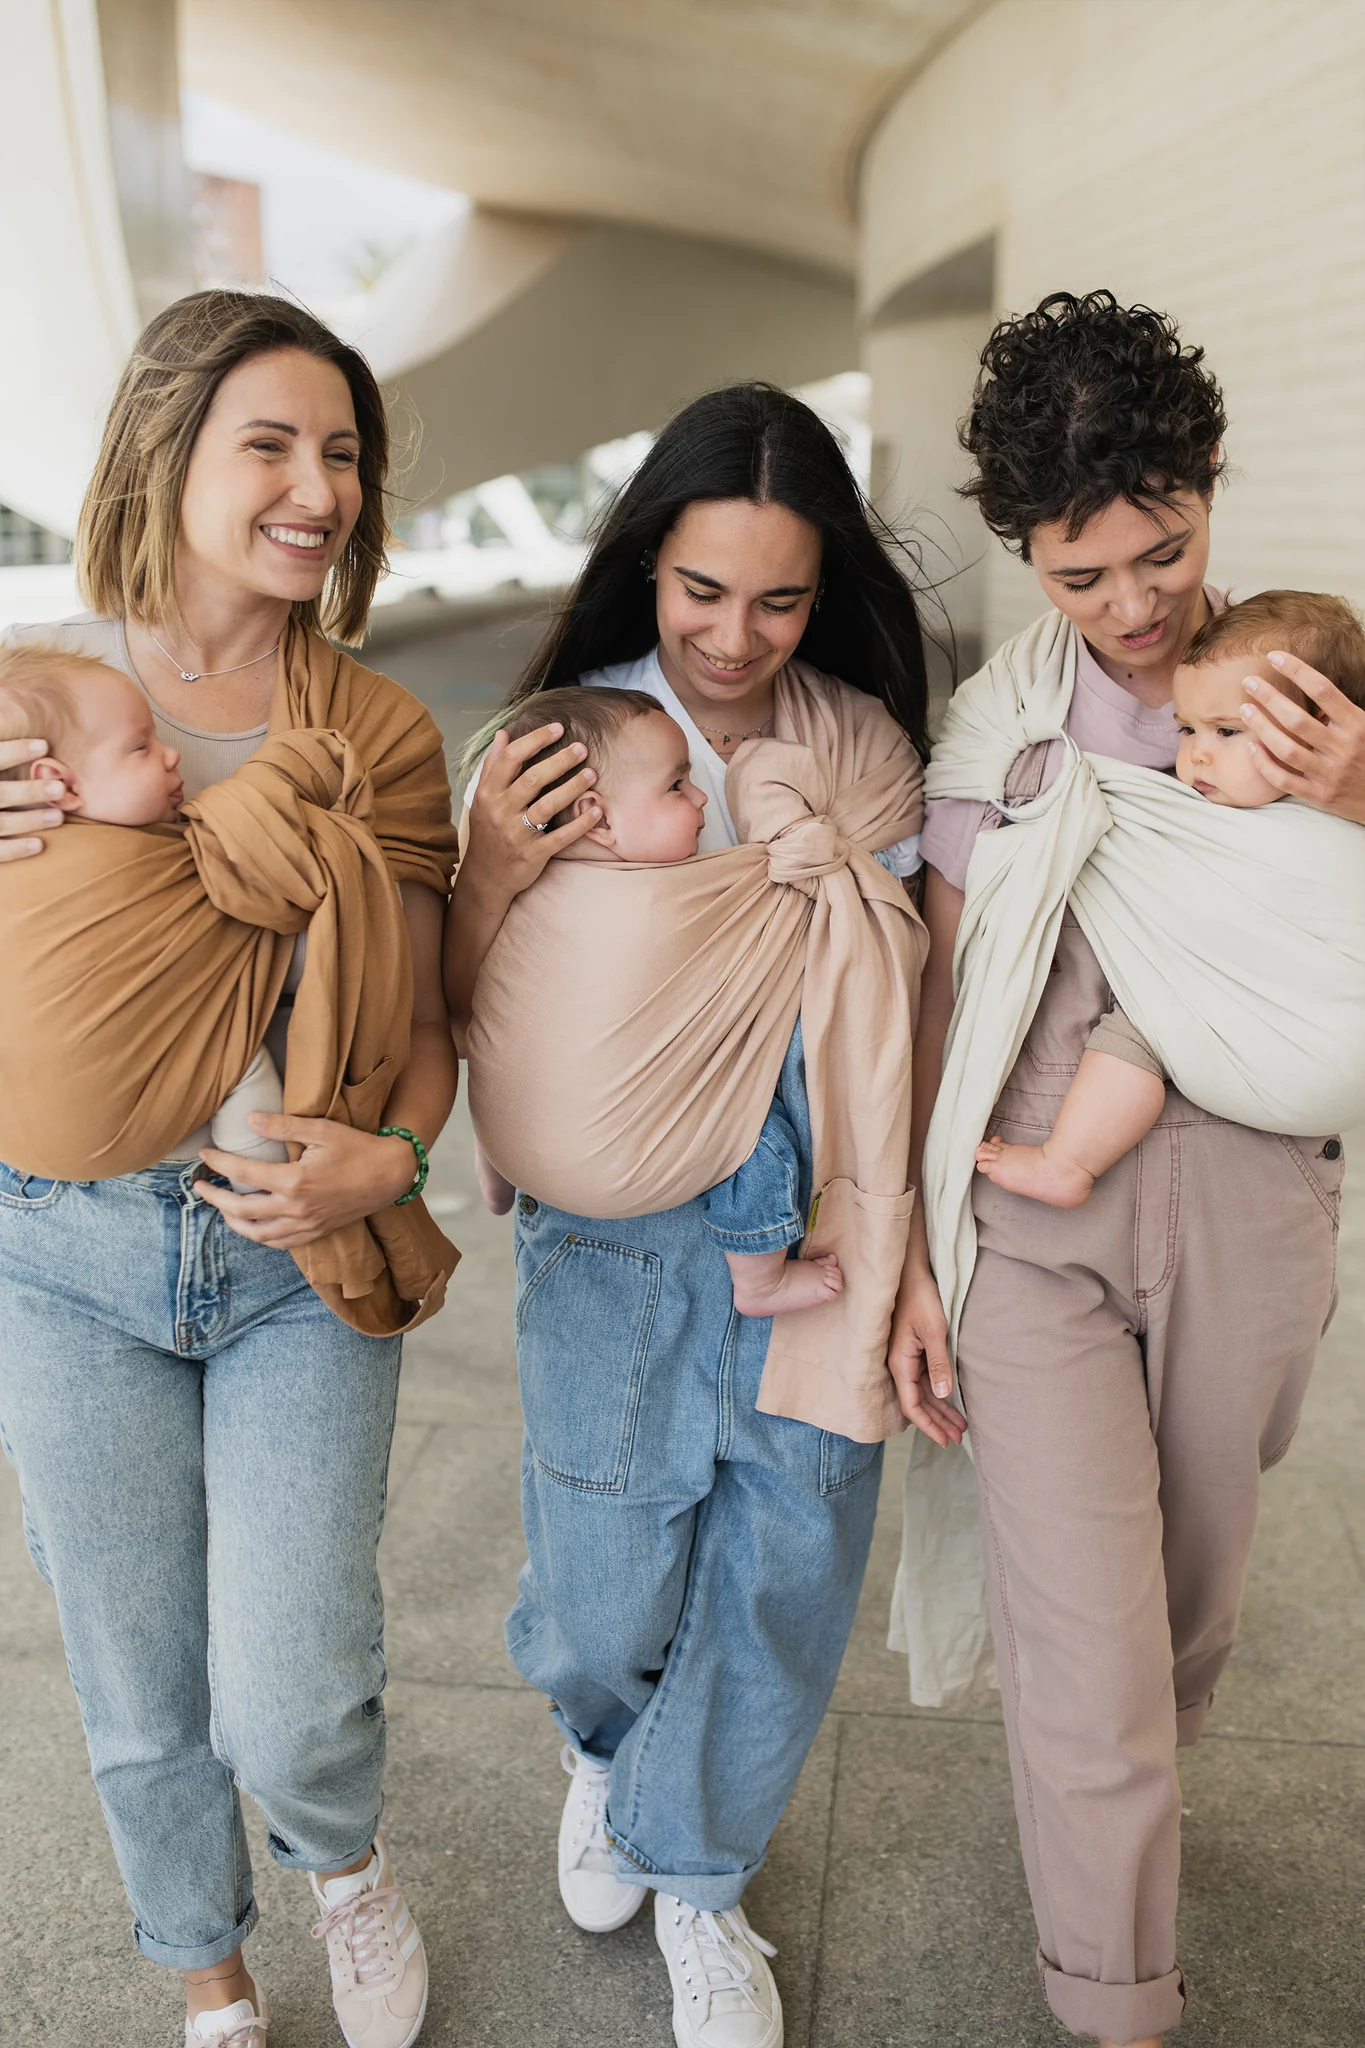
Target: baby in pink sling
(652, 812)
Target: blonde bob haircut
(125, 542)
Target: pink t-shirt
(1104, 719)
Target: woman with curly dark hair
(1128, 1368)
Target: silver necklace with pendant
(755, 732)
(199, 675)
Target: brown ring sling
(144, 964)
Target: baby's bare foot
(1034, 1171)
(771, 1284)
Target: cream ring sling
(1235, 941)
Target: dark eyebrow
(1159, 545)
(283, 427)
(778, 589)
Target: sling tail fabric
(630, 1023)
(1235, 941)
(146, 963)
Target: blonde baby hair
(1324, 631)
(40, 698)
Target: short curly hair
(1082, 402)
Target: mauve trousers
(1129, 1369)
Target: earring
(820, 591)
(647, 563)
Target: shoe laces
(716, 1948)
(362, 1921)
(589, 1836)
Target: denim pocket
(28, 1190)
(844, 1462)
(584, 1321)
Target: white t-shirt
(708, 769)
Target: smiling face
(115, 769)
(1216, 756)
(736, 582)
(1133, 583)
(272, 487)
(652, 810)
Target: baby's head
(101, 738)
(651, 808)
(1216, 754)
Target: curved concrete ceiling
(732, 120)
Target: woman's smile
(726, 671)
(297, 541)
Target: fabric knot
(805, 851)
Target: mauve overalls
(1128, 1369)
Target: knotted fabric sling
(1235, 941)
(630, 1024)
(144, 964)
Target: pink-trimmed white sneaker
(378, 1962)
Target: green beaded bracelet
(419, 1179)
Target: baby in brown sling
(652, 812)
(1120, 1086)
(104, 752)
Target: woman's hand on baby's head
(25, 805)
(1320, 760)
(510, 839)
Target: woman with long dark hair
(694, 1563)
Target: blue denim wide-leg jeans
(203, 1451)
(694, 1566)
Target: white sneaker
(595, 1898)
(378, 1963)
(723, 1991)
(231, 2026)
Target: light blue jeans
(202, 1449)
(694, 1566)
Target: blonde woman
(202, 1445)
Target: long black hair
(756, 442)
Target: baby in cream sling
(1234, 941)
(1120, 1087)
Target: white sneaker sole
(686, 2040)
(633, 1897)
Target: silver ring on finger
(531, 824)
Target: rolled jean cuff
(316, 1859)
(712, 1894)
(753, 1243)
(1114, 2012)
(206, 1954)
